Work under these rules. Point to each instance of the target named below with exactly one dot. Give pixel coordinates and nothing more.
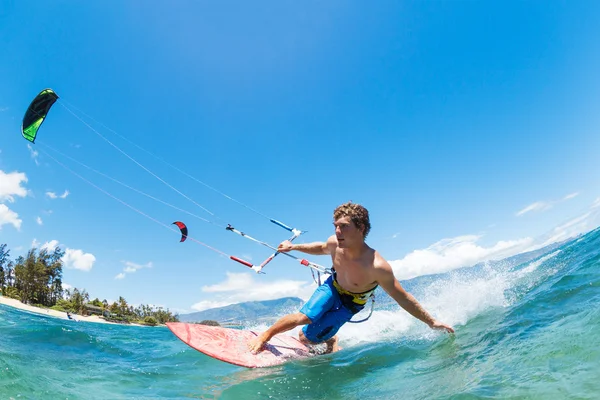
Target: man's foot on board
(257, 344)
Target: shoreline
(7, 301)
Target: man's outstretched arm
(315, 248)
(389, 283)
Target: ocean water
(527, 331)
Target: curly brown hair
(357, 214)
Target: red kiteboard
(230, 345)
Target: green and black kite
(36, 113)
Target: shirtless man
(357, 271)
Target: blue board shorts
(326, 311)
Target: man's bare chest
(354, 276)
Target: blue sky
(468, 129)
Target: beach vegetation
(4, 262)
(150, 321)
(11, 292)
(33, 279)
(59, 308)
(36, 279)
(96, 302)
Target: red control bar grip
(246, 263)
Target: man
(357, 271)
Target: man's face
(347, 233)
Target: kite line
(36, 115)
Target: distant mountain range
(267, 310)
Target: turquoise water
(528, 331)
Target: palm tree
(122, 306)
(4, 254)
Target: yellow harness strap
(358, 298)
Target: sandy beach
(53, 313)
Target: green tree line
(37, 280)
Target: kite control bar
(258, 268)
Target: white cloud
(463, 251)
(240, 287)
(7, 216)
(35, 244)
(39, 221)
(571, 196)
(235, 281)
(66, 286)
(77, 259)
(34, 154)
(49, 246)
(539, 206)
(131, 267)
(574, 227)
(53, 195)
(73, 258)
(453, 253)
(10, 185)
